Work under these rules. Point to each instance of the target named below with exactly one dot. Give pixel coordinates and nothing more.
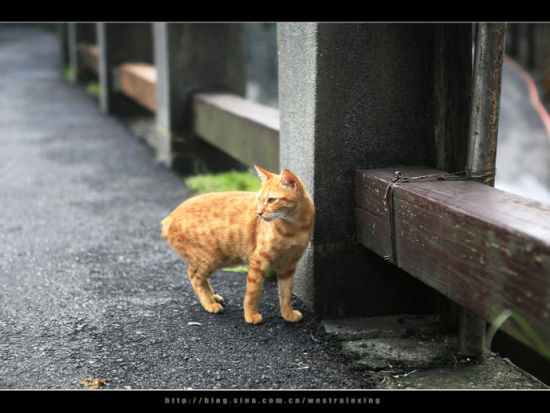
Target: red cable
(533, 94)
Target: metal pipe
(487, 79)
(482, 147)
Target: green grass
(243, 269)
(225, 181)
(67, 73)
(270, 274)
(529, 331)
(92, 88)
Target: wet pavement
(89, 289)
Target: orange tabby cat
(268, 229)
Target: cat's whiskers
(278, 215)
(287, 218)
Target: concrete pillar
(354, 96)
(79, 34)
(119, 43)
(63, 33)
(191, 58)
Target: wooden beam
(139, 81)
(486, 249)
(246, 130)
(90, 57)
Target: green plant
(68, 73)
(225, 181)
(240, 268)
(92, 88)
(505, 315)
(270, 274)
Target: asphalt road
(88, 286)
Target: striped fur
(268, 229)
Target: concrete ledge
(377, 327)
(493, 373)
(405, 353)
(246, 130)
(413, 352)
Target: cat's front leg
(254, 281)
(285, 280)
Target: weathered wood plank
(246, 130)
(373, 232)
(484, 248)
(139, 81)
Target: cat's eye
(271, 200)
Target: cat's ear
(288, 179)
(262, 173)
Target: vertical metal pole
(486, 83)
(487, 79)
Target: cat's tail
(166, 222)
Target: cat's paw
(214, 308)
(253, 319)
(293, 316)
(218, 298)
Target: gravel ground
(89, 288)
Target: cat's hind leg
(203, 290)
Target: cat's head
(279, 196)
